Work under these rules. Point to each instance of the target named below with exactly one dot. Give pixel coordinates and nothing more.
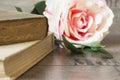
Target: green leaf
(71, 46)
(102, 52)
(105, 54)
(88, 50)
(57, 41)
(18, 9)
(95, 48)
(39, 8)
(95, 45)
(34, 11)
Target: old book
(17, 58)
(20, 27)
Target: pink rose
(79, 21)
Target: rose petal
(90, 22)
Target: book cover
(16, 27)
(15, 59)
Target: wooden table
(61, 65)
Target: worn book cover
(18, 27)
(15, 59)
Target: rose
(79, 21)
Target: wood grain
(61, 65)
(72, 73)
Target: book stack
(24, 41)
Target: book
(18, 27)
(15, 59)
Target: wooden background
(61, 65)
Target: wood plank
(61, 65)
(62, 57)
(72, 73)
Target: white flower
(79, 21)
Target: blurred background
(26, 5)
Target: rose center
(81, 23)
